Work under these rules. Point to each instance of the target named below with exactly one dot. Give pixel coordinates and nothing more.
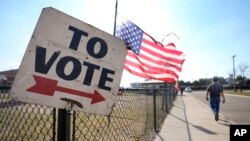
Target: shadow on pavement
(205, 130)
(160, 137)
(188, 123)
(224, 122)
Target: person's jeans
(215, 104)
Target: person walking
(182, 89)
(215, 90)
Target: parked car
(188, 89)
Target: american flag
(147, 57)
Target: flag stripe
(154, 63)
(164, 56)
(134, 62)
(161, 49)
(130, 61)
(160, 69)
(156, 56)
(155, 59)
(138, 72)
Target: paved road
(236, 108)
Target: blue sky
(210, 31)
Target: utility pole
(234, 72)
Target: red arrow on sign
(48, 87)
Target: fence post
(54, 124)
(63, 125)
(68, 125)
(154, 103)
(173, 93)
(163, 100)
(166, 96)
(74, 126)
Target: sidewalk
(192, 120)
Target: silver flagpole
(168, 35)
(116, 4)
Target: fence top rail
(145, 89)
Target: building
(230, 79)
(149, 84)
(7, 77)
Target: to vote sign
(70, 64)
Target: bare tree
(241, 78)
(242, 68)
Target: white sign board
(70, 64)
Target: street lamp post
(234, 72)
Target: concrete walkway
(192, 120)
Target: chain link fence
(25, 122)
(137, 115)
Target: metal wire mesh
(135, 117)
(132, 118)
(163, 103)
(24, 122)
(126, 122)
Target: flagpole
(116, 4)
(168, 35)
(176, 83)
